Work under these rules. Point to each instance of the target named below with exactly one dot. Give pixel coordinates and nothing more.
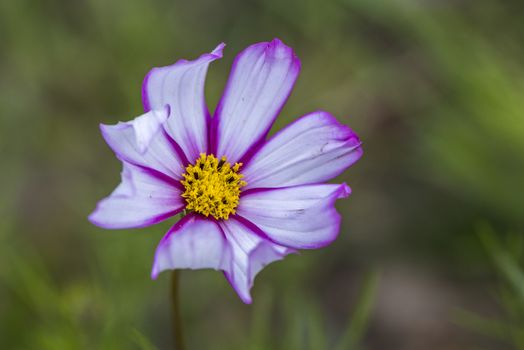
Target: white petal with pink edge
(142, 199)
(260, 81)
(301, 217)
(181, 86)
(193, 243)
(250, 253)
(144, 142)
(315, 148)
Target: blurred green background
(430, 255)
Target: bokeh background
(430, 251)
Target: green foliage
(304, 326)
(359, 321)
(507, 256)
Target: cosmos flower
(249, 201)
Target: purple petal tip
(345, 190)
(218, 51)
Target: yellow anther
(212, 186)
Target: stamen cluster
(212, 186)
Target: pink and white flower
(249, 201)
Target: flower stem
(177, 318)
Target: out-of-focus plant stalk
(178, 333)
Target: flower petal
(313, 149)
(181, 86)
(195, 243)
(142, 199)
(260, 82)
(144, 142)
(250, 253)
(301, 217)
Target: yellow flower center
(212, 186)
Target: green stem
(177, 317)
